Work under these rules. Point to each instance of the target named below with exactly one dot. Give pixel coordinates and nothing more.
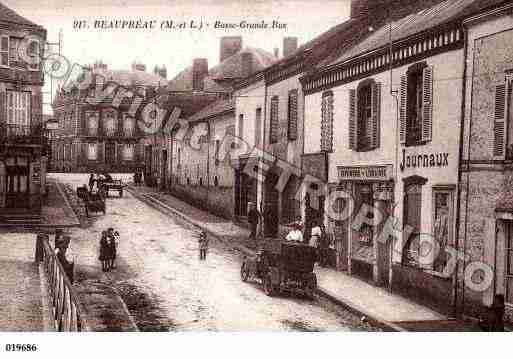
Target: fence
(67, 315)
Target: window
(364, 116)
(18, 110)
(14, 44)
(109, 123)
(416, 105)
(4, 51)
(258, 126)
(34, 54)
(128, 125)
(442, 224)
(92, 151)
(274, 121)
(412, 217)
(292, 115)
(327, 122)
(92, 123)
(128, 152)
(241, 126)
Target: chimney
(199, 72)
(160, 71)
(138, 67)
(289, 46)
(247, 63)
(276, 52)
(230, 45)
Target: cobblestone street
(166, 287)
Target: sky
(178, 47)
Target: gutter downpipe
(261, 174)
(460, 172)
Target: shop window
(442, 224)
(327, 122)
(292, 115)
(258, 126)
(274, 121)
(416, 107)
(364, 116)
(412, 218)
(241, 126)
(364, 196)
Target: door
(508, 273)
(17, 194)
(271, 209)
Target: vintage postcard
(270, 166)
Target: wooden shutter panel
(352, 119)
(403, 109)
(499, 140)
(119, 149)
(427, 104)
(376, 115)
(292, 125)
(274, 121)
(84, 152)
(3, 112)
(100, 151)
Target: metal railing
(66, 311)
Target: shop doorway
(17, 189)
(508, 262)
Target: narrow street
(166, 287)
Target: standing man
(253, 219)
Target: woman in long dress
(104, 256)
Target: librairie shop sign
(424, 160)
(365, 173)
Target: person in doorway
(203, 245)
(253, 219)
(91, 182)
(104, 256)
(295, 235)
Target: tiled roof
(131, 78)
(189, 103)
(9, 15)
(414, 23)
(213, 109)
(229, 69)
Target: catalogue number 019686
(21, 347)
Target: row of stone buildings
(23, 151)
(406, 106)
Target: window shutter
(376, 114)
(352, 119)
(3, 109)
(120, 156)
(99, 150)
(292, 125)
(499, 122)
(138, 152)
(427, 104)
(84, 151)
(403, 109)
(273, 135)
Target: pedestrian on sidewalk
(253, 219)
(316, 239)
(203, 245)
(113, 243)
(104, 256)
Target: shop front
(369, 189)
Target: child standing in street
(203, 245)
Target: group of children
(108, 249)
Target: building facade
(486, 214)
(22, 145)
(97, 134)
(386, 115)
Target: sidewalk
(21, 292)
(376, 304)
(56, 211)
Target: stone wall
(220, 199)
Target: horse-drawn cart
(93, 202)
(283, 266)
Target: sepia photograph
(266, 166)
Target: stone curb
(374, 320)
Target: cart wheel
(244, 272)
(311, 287)
(268, 286)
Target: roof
(11, 16)
(131, 78)
(213, 109)
(188, 102)
(229, 69)
(417, 22)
